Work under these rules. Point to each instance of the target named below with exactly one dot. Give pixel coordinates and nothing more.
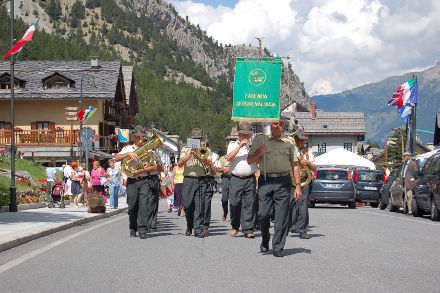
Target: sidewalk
(24, 226)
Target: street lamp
(13, 188)
(80, 108)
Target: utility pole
(13, 188)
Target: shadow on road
(291, 251)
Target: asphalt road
(361, 250)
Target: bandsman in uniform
(274, 184)
(223, 168)
(142, 188)
(243, 183)
(300, 211)
(197, 190)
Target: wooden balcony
(40, 137)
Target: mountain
(380, 118)
(176, 65)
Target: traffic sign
(69, 118)
(87, 145)
(70, 113)
(71, 108)
(87, 132)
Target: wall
(333, 142)
(27, 111)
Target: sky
(335, 45)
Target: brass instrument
(304, 172)
(145, 158)
(202, 151)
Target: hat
(138, 131)
(300, 134)
(244, 127)
(406, 154)
(197, 133)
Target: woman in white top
(67, 173)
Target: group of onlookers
(77, 181)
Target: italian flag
(406, 94)
(26, 38)
(83, 115)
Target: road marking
(400, 218)
(28, 256)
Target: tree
(54, 10)
(395, 146)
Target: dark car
(396, 195)
(332, 185)
(384, 193)
(368, 184)
(426, 197)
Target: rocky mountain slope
(380, 118)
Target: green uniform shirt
(194, 167)
(280, 153)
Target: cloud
(335, 44)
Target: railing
(40, 137)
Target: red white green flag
(26, 38)
(85, 114)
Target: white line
(401, 218)
(27, 256)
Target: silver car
(333, 185)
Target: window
(348, 146)
(57, 81)
(43, 125)
(322, 148)
(257, 128)
(5, 126)
(57, 85)
(5, 82)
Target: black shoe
(199, 235)
(278, 253)
(304, 235)
(153, 228)
(188, 232)
(264, 247)
(143, 236)
(132, 233)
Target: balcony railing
(40, 137)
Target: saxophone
(145, 158)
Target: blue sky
(334, 45)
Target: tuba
(304, 172)
(145, 158)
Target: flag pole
(413, 140)
(13, 188)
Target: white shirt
(239, 165)
(311, 156)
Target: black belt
(143, 177)
(201, 177)
(243, 177)
(276, 175)
(226, 176)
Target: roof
(101, 86)
(342, 123)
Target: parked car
(332, 185)
(396, 194)
(368, 184)
(384, 193)
(426, 199)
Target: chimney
(94, 62)
(313, 111)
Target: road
(361, 250)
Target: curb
(64, 226)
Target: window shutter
(34, 125)
(51, 126)
(7, 125)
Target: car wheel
(374, 204)
(311, 204)
(435, 215)
(416, 211)
(352, 205)
(391, 208)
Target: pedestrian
(223, 168)
(409, 181)
(142, 187)
(177, 183)
(84, 180)
(98, 176)
(385, 173)
(276, 157)
(67, 174)
(51, 175)
(115, 181)
(300, 209)
(242, 185)
(75, 184)
(197, 190)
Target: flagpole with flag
(12, 53)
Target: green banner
(257, 87)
